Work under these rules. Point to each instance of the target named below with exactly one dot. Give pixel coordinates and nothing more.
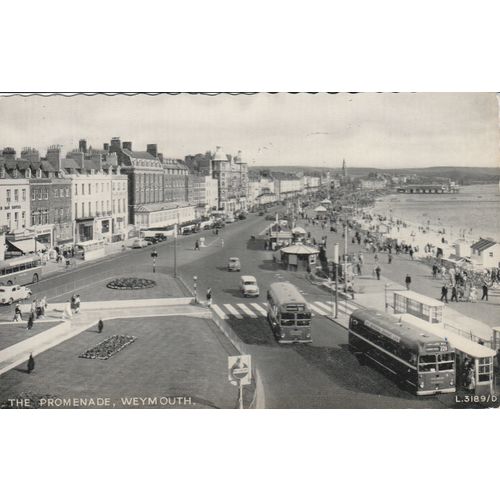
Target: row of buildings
(110, 193)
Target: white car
(139, 243)
(230, 219)
(9, 294)
(248, 286)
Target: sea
(472, 213)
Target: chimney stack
(54, 156)
(127, 145)
(82, 145)
(9, 153)
(116, 144)
(106, 146)
(152, 149)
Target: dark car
(242, 216)
(270, 217)
(160, 237)
(152, 239)
(261, 213)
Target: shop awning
(27, 246)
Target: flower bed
(108, 347)
(131, 283)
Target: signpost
(240, 372)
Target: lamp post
(336, 264)
(195, 283)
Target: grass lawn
(13, 333)
(171, 357)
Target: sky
(385, 130)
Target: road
(318, 375)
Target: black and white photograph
(250, 251)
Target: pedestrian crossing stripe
(247, 311)
(233, 311)
(255, 310)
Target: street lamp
(195, 283)
(154, 255)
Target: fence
(468, 335)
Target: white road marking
(316, 309)
(233, 311)
(219, 311)
(328, 308)
(259, 308)
(246, 310)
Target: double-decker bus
(416, 358)
(288, 313)
(21, 270)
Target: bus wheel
(35, 278)
(9, 283)
(10, 301)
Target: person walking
(377, 272)
(31, 363)
(485, 292)
(197, 245)
(100, 326)
(444, 293)
(17, 314)
(411, 253)
(408, 281)
(77, 304)
(31, 320)
(209, 297)
(454, 293)
(389, 258)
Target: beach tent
(299, 230)
(326, 201)
(320, 209)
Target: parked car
(230, 219)
(160, 237)
(248, 286)
(234, 264)
(242, 216)
(140, 243)
(261, 213)
(9, 294)
(270, 217)
(152, 240)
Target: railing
(467, 334)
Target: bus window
(287, 319)
(446, 361)
(303, 319)
(427, 363)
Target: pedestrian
(31, 363)
(31, 320)
(485, 292)
(209, 297)
(473, 294)
(358, 268)
(454, 293)
(444, 293)
(77, 303)
(411, 253)
(377, 272)
(100, 326)
(408, 281)
(17, 314)
(222, 243)
(197, 245)
(389, 258)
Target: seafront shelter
(421, 306)
(468, 353)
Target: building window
(67, 192)
(83, 188)
(83, 209)
(90, 191)
(8, 195)
(39, 194)
(33, 219)
(24, 194)
(102, 206)
(90, 209)
(76, 210)
(76, 188)
(8, 219)
(16, 195)
(33, 194)
(114, 205)
(46, 194)
(107, 205)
